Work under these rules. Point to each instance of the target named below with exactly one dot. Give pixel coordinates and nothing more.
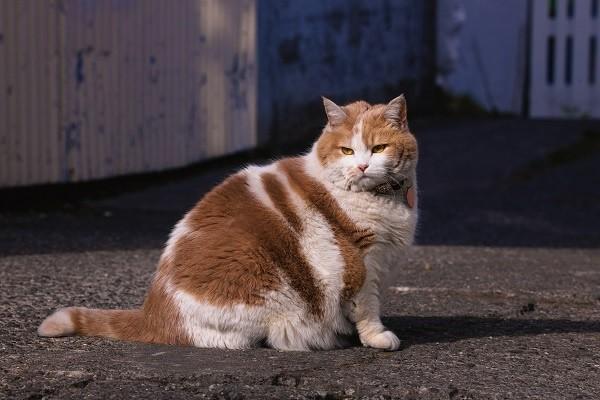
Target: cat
(291, 255)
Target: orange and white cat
(291, 254)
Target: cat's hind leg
(208, 337)
(236, 326)
(297, 331)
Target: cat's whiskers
(347, 181)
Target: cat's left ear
(395, 112)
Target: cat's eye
(379, 148)
(347, 151)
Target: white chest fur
(388, 216)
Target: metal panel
(4, 86)
(569, 93)
(96, 89)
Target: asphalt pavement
(500, 299)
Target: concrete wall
(343, 49)
(489, 39)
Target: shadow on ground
(499, 182)
(424, 330)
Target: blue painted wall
(342, 49)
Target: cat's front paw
(385, 340)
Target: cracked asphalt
(500, 299)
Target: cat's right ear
(335, 113)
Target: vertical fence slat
(36, 117)
(61, 90)
(197, 42)
(145, 68)
(209, 58)
(137, 78)
(101, 59)
(112, 90)
(169, 132)
(54, 96)
(155, 75)
(69, 124)
(228, 54)
(171, 53)
(12, 92)
(249, 39)
(216, 75)
(178, 76)
(135, 152)
(23, 91)
(73, 81)
(94, 33)
(189, 57)
(41, 97)
(72, 118)
(4, 85)
(152, 89)
(124, 20)
(163, 133)
(89, 109)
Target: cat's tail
(116, 324)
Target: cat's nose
(362, 167)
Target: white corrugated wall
(93, 89)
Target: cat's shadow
(423, 330)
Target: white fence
(565, 63)
(93, 89)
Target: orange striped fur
(291, 254)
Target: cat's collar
(403, 187)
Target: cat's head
(363, 145)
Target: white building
(537, 57)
